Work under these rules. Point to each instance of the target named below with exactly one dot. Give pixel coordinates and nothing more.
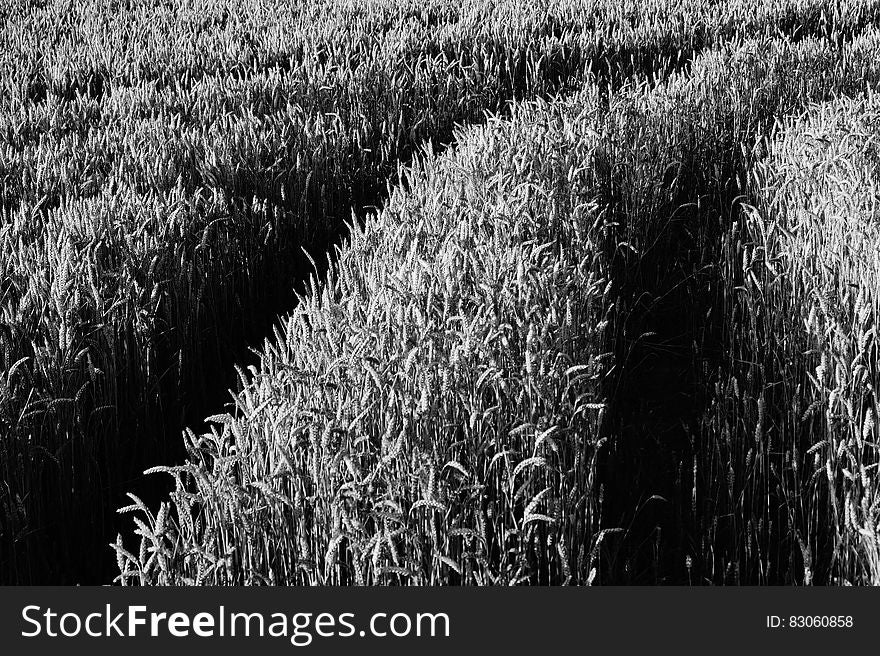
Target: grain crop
(177, 176)
(293, 486)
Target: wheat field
(438, 293)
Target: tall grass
(678, 162)
(430, 413)
(798, 403)
(161, 162)
(61, 47)
(334, 428)
(146, 206)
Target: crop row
(160, 162)
(796, 413)
(64, 47)
(435, 411)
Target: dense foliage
(163, 164)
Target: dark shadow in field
(667, 345)
(656, 404)
(186, 397)
(674, 323)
